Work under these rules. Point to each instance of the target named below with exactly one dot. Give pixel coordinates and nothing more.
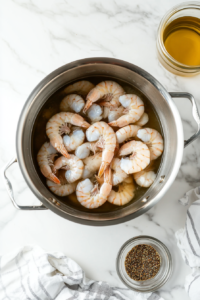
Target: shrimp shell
(57, 124)
(143, 120)
(73, 165)
(83, 150)
(73, 102)
(90, 196)
(74, 140)
(115, 113)
(126, 133)
(106, 90)
(95, 113)
(80, 87)
(134, 109)
(63, 189)
(153, 139)
(118, 174)
(139, 159)
(91, 165)
(106, 137)
(126, 192)
(144, 178)
(45, 161)
(106, 112)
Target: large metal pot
(147, 85)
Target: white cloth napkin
(188, 240)
(30, 273)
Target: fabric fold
(188, 241)
(33, 274)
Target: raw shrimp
(95, 113)
(73, 166)
(80, 87)
(74, 139)
(83, 150)
(114, 113)
(64, 188)
(143, 120)
(126, 133)
(61, 190)
(58, 125)
(73, 103)
(118, 174)
(89, 194)
(153, 139)
(45, 159)
(134, 109)
(139, 158)
(106, 137)
(145, 178)
(108, 91)
(125, 193)
(91, 165)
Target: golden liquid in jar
(182, 40)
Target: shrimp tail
(87, 106)
(121, 122)
(107, 185)
(65, 154)
(108, 175)
(99, 180)
(85, 124)
(102, 169)
(63, 151)
(92, 97)
(53, 178)
(113, 124)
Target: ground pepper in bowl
(142, 262)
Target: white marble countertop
(37, 37)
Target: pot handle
(11, 194)
(195, 113)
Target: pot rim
(47, 81)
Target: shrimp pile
(98, 146)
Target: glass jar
(186, 9)
(161, 277)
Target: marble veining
(37, 37)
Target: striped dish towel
(30, 273)
(188, 240)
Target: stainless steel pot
(147, 85)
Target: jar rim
(165, 18)
(166, 256)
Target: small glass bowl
(161, 277)
(190, 9)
